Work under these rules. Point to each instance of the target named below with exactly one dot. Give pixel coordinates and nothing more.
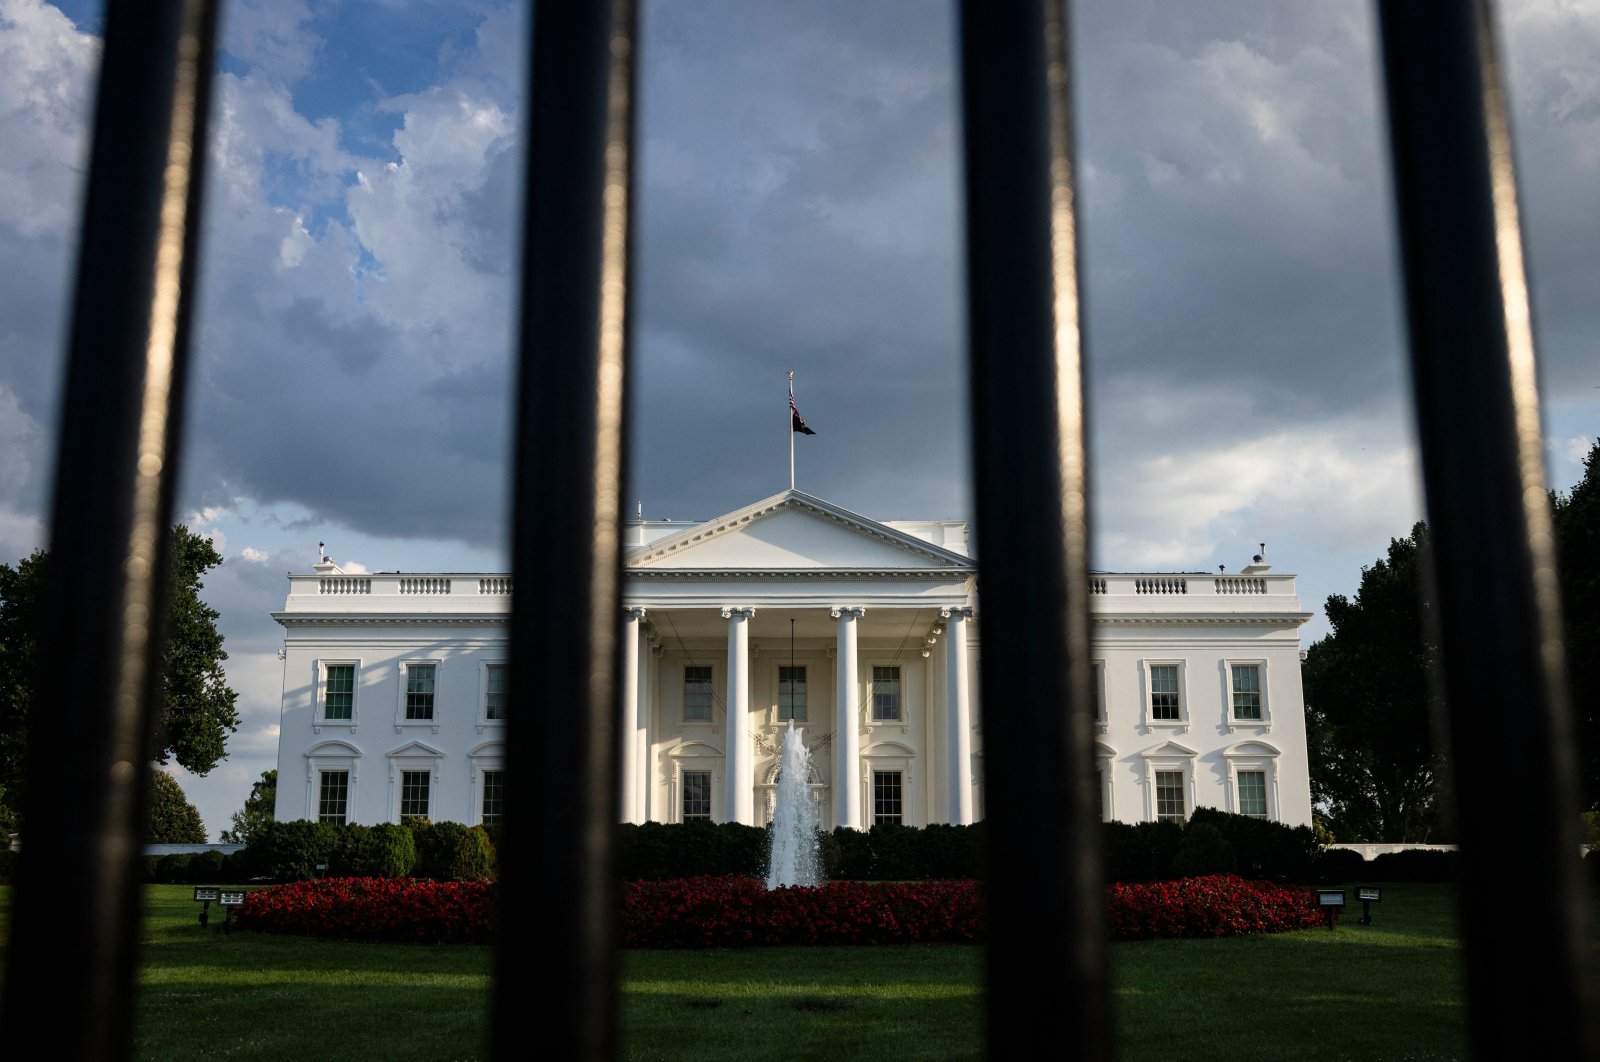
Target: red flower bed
(728, 911)
(405, 910)
(731, 912)
(1218, 905)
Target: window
(1164, 692)
(333, 797)
(1253, 794)
(494, 693)
(1247, 692)
(494, 797)
(414, 795)
(887, 806)
(1169, 797)
(792, 694)
(419, 691)
(1100, 692)
(886, 694)
(697, 698)
(339, 692)
(696, 794)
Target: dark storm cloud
(799, 212)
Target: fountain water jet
(794, 858)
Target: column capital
(731, 612)
(847, 611)
(964, 612)
(632, 612)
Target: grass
(1390, 990)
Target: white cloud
(254, 556)
(46, 69)
(1574, 449)
(1320, 487)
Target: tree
(1577, 534)
(258, 809)
(1369, 733)
(173, 820)
(196, 711)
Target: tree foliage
(258, 809)
(173, 820)
(1368, 729)
(1577, 534)
(196, 713)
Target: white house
(863, 634)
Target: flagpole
(789, 420)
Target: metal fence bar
(1495, 603)
(106, 590)
(1045, 897)
(557, 870)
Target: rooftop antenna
(322, 552)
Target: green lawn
(1390, 990)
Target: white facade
(865, 634)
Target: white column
(958, 706)
(631, 718)
(847, 728)
(739, 761)
(652, 810)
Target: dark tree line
(196, 713)
(1376, 769)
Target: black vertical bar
(1032, 526)
(1495, 601)
(107, 586)
(557, 868)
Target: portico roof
(793, 557)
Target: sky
(799, 210)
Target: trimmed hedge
(1211, 842)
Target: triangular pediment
(1169, 750)
(415, 748)
(794, 532)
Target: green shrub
(205, 868)
(1414, 864)
(657, 851)
(387, 850)
(449, 851)
(475, 857)
(173, 869)
(895, 854)
(290, 851)
(1140, 851)
(1264, 849)
(1203, 851)
(1335, 865)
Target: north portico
(792, 611)
(795, 609)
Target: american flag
(796, 421)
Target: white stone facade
(866, 634)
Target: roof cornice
(1206, 619)
(800, 573)
(390, 619)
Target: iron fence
(1473, 370)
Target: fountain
(794, 858)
